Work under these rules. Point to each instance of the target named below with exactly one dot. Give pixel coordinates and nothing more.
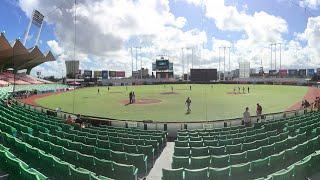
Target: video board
(203, 75)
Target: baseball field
(167, 102)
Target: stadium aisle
(164, 161)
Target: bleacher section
(20, 79)
(283, 149)
(43, 147)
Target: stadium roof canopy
(19, 57)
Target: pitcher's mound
(168, 93)
(141, 101)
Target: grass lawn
(208, 102)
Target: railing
(171, 127)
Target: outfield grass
(208, 103)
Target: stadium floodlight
(37, 20)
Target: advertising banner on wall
(293, 72)
(310, 72)
(112, 73)
(97, 74)
(87, 73)
(120, 74)
(105, 74)
(283, 72)
(302, 72)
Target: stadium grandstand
(232, 96)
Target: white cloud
(106, 28)
(313, 4)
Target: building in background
(72, 68)
(244, 69)
(141, 74)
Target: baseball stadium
(159, 90)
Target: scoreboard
(203, 75)
(162, 64)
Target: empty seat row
(277, 141)
(250, 155)
(75, 150)
(254, 169)
(204, 141)
(63, 163)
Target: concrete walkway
(164, 161)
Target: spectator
(69, 120)
(259, 112)
(247, 118)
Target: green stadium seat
(301, 150)
(267, 150)
(199, 151)
(130, 148)
(102, 153)
(237, 158)
(91, 141)
(239, 140)
(181, 143)
(211, 142)
(233, 148)
(191, 174)
(225, 142)
(116, 146)
(87, 149)
(261, 142)
(71, 156)
(146, 150)
(126, 140)
(79, 173)
(122, 171)
(139, 161)
(284, 174)
(103, 144)
(248, 145)
(280, 146)
(216, 150)
(302, 168)
(240, 171)
(139, 142)
(56, 150)
(260, 167)
(47, 161)
(172, 174)
(219, 173)
(220, 161)
(44, 145)
(313, 145)
(273, 139)
(180, 162)
(291, 141)
(30, 174)
(200, 162)
(77, 146)
(104, 167)
(119, 157)
(182, 138)
(181, 151)
(277, 161)
(114, 139)
(87, 161)
(314, 168)
(290, 156)
(253, 154)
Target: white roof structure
(19, 57)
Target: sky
(192, 33)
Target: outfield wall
(171, 127)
